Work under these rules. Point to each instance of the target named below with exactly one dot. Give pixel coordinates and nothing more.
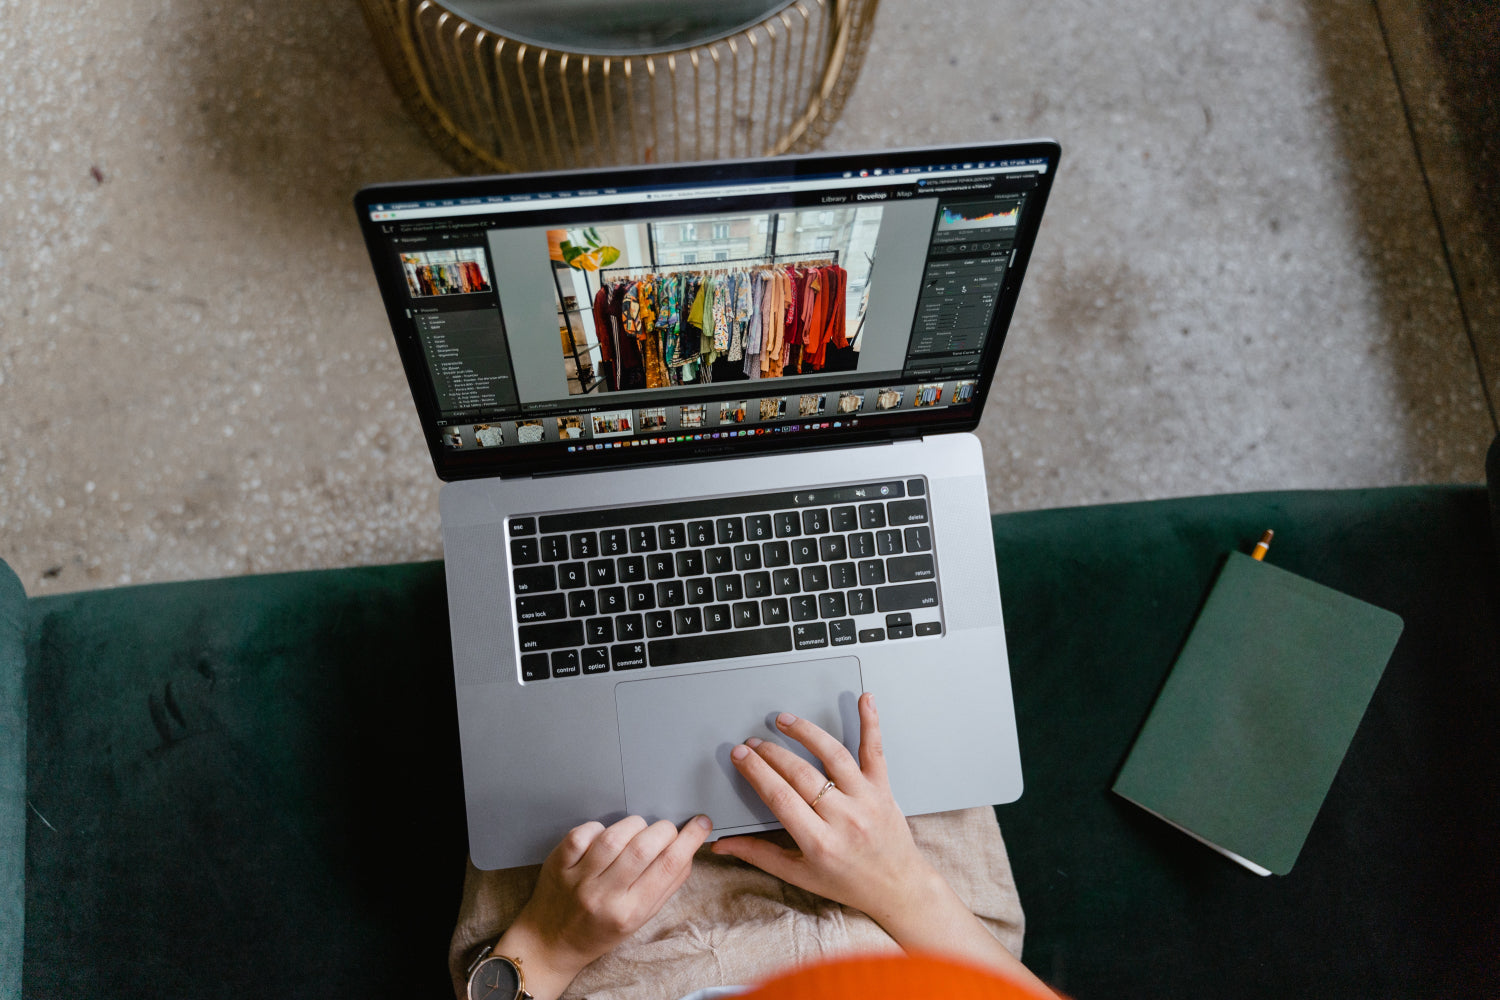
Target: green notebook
(1252, 724)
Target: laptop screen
(578, 320)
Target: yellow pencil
(1259, 552)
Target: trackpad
(676, 733)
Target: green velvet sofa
(250, 787)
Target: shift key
(899, 598)
(553, 635)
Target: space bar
(719, 645)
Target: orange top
(878, 976)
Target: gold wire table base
(492, 103)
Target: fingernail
(704, 823)
(739, 752)
(785, 719)
(754, 742)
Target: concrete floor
(1242, 282)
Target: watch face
(495, 979)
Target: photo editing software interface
(615, 317)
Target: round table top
(615, 27)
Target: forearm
(932, 918)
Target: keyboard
(626, 588)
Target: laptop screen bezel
(453, 464)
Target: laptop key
(815, 577)
(727, 588)
(844, 518)
(785, 581)
(716, 618)
(861, 545)
(831, 605)
(614, 542)
(811, 635)
(611, 600)
(788, 524)
(690, 649)
(700, 590)
(550, 635)
(642, 539)
(535, 667)
(861, 602)
(581, 603)
(815, 521)
(758, 584)
(601, 572)
(594, 659)
(758, 528)
(628, 655)
(900, 569)
(918, 538)
(804, 607)
(729, 530)
(898, 618)
(871, 573)
(872, 635)
(831, 548)
(746, 614)
(871, 515)
(660, 566)
(599, 630)
(565, 663)
(900, 632)
(533, 579)
(700, 533)
(843, 576)
(888, 542)
(775, 554)
(907, 511)
(929, 628)
(524, 551)
(719, 560)
(805, 550)
(841, 632)
(554, 548)
(522, 526)
(746, 557)
(672, 536)
(571, 575)
(686, 621)
(689, 563)
(641, 596)
(906, 595)
(630, 569)
(670, 593)
(541, 608)
(774, 611)
(584, 545)
(658, 623)
(629, 627)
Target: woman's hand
(854, 844)
(596, 888)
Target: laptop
(705, 437)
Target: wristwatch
(495, 977)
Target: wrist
(546, 966)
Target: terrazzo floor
(1241, 282)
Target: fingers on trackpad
(676, 733)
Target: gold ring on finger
(821, 792)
